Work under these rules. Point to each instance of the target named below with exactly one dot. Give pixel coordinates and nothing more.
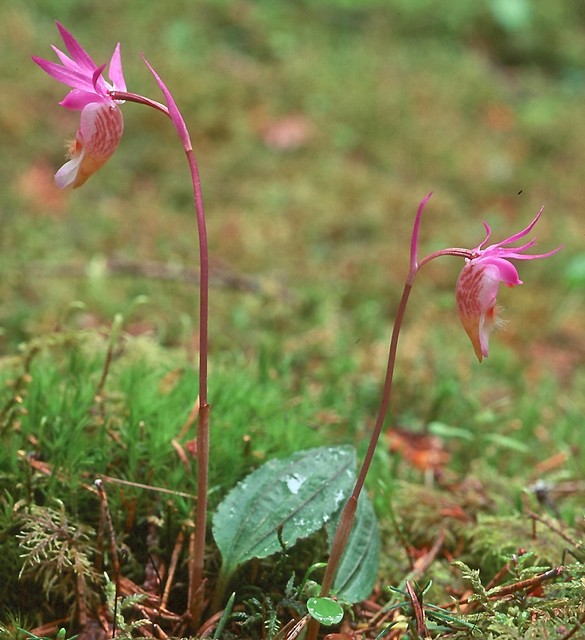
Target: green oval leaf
(325, 610)
(282, 501)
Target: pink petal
(64, 58)
(499, 249)
(100, 86)
(78, 53)
(510, 254)
(115, 72)
(77, 99)
(488, 233)
(80, 71)
(522, 233)
(65, 75)
(506, 271)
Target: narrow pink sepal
(174, 112)
(77, 52)
(65, 75)
(63, 58)
(414, 239)
(115, 71)
(522, 233)
(81, 73)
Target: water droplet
(294, 482)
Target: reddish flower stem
(452, 251)
(348, 514)
(196, 577)
(138, 99)
(197, 556)
(203, 280)
(367, 462)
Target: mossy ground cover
(318, 126)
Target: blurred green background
(319, 125)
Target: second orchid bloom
(478, 283)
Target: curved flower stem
(138, 99)
(452, 251)
(367, 461)
(498, 252)
(197, 560)
(203, 279)
(197, 549)
(348, 514)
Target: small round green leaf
(325, 610)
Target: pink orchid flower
(101, 122)
(479, 280)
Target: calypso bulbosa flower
(478, 283)
(101, 123)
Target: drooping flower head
(478, 284)
(101, 122)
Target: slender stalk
(221, 586)
(348, 514)
(197, 562)
(343, 529)
(203, 282)
(196, 577)
(197, 555)
(452, 251)
(138, 99)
